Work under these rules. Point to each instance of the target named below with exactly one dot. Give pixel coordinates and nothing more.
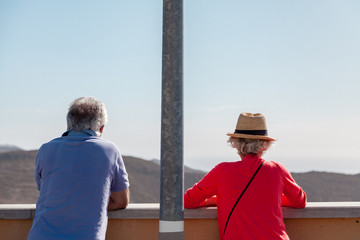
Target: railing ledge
(151, 211)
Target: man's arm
(119, 200)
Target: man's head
(86, 113)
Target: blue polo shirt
(75, 175)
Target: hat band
(252, 132)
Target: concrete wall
(327, 221)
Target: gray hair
(86, 113)
(246, 146)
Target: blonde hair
(246, 146)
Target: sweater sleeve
(205, 189)
(293, 195)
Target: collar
(252, 157)
(82, 133)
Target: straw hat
(251, 126)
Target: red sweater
(258, 215)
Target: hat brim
(240, 135)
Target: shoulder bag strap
(227, 221)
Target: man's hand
(119, 200)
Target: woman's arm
(202, 193)
(293, 195)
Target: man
(80, 176)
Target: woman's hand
(211, 201)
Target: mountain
(9, 148)
(329, 187)
(17, 180)
(17, 183)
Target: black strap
(227, 221)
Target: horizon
(295, 62)
(207, 167)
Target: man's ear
(101, 129)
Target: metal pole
(171, 224)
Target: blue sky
(295, 62)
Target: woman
(258, 212)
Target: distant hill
(17, 183)
(17, 177)
(17, 180)
(144, 177)
(9, 148)
(329, 187)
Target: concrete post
(171, 224)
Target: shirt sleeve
(293, 195)
(38, 169)
(120, 181)
(206, 188)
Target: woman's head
(251, 126)
(250, 135)
(86, 113)
(246, 146)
